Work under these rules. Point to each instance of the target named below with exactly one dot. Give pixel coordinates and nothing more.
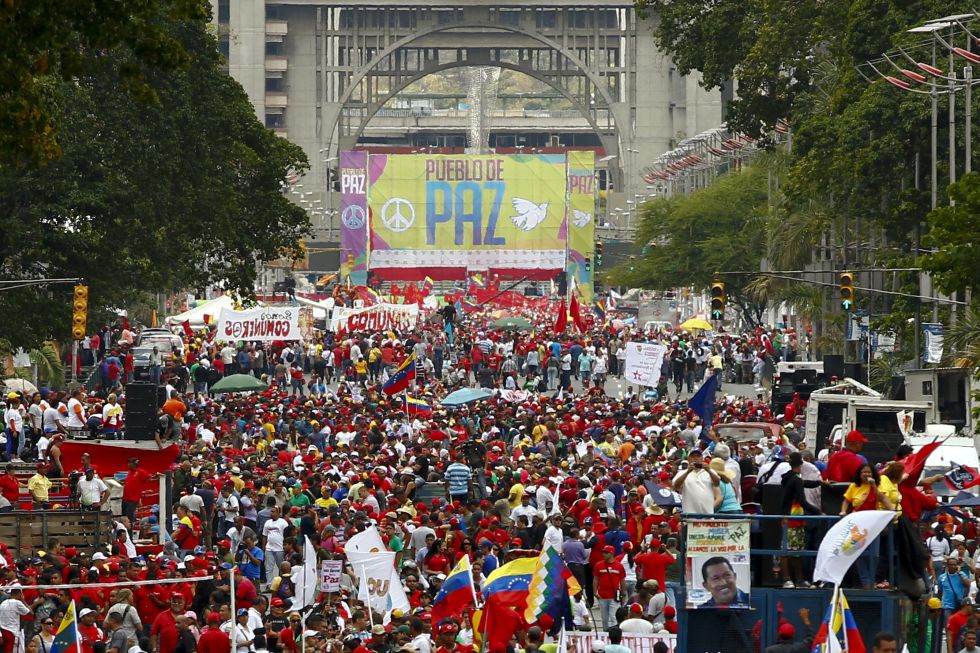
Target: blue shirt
(953, 589)
(249, 569)
(617, 538)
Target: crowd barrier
(581, 641)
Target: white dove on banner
(580, 218)
(531, 214)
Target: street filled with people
(353, 433)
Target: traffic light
(847, 291)
(79, 312)
(588, 264)
(598, 253)
(718, 300)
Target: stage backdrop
(450, 214)
(581, 221)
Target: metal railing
(887, 539)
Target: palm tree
(962, 341)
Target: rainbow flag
(456, 593)
(839, 630)
(415, 406)
(66, 639)
(402, 377)
(600, 311)
(427, 284)
(551, 586)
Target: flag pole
(368, 602)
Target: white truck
(834, 411)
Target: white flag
(379, 584)
(305, 578)
(905, 422)
(367, 541)
(846, 540)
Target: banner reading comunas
(261, 324)
(473, 211)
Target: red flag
(499, 622)
(125, 323)
(562, 322)
(577, 315)
(914, 463)
(186, 324)
(207, 319)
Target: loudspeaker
(833, 365)
(162, 395)
(856, 371)
(140, 416)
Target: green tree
(146, 198)
(954, 231)
(44, 41)
(718, 229)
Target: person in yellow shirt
(888, 482)
(236, 479)
(39, 486)
(609, 446)
(540, 430)
(361, 369)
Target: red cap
(215, 618)
(855, 436)
(670, 612)
(786, 631)
(277, 602)
(655, 543)
(609, 549)
(637, 608)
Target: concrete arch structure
(603, 134)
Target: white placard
(330, 571)
(262, 324)
(644, 361)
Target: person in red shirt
(956, 622)
(88, 632)
(670, 624)
(652, 564)
(844, 464)
(609, 585)
(136, 481)
(163, 632)
(10, 489)
(213, 639)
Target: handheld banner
(260, 324)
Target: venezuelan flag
(415, 406)
(511, 580)
(477, 281)
(374, 294)
(403, 376)
(838, 624)
(427, 284)
(457, 592)
(66, 639)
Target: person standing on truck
(844, 464)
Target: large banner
(467, 211)
(380, 317)
(718, 563)
(353, 217)
(581, 221)
(644, 363)
(260, 324)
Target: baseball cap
(85, 611)
(277, 602)
(609, 549)
(856, 436)
(935, 604)
(786, 631)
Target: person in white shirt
(92, 491)
(553, 535)
(635, 623)
(772, 471)
(698, 485)
(14, 424)
(273, 538)
(11, 612)
(76, 411)
(112, 416)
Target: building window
(275, 48)
(224, 47)
(224, 11)
(275, 120)
(546, 18)
(275, 85)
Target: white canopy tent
(196, 315)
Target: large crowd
(550, 458)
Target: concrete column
(246, 56)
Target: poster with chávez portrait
(719, 573)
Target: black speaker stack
(142, 405)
